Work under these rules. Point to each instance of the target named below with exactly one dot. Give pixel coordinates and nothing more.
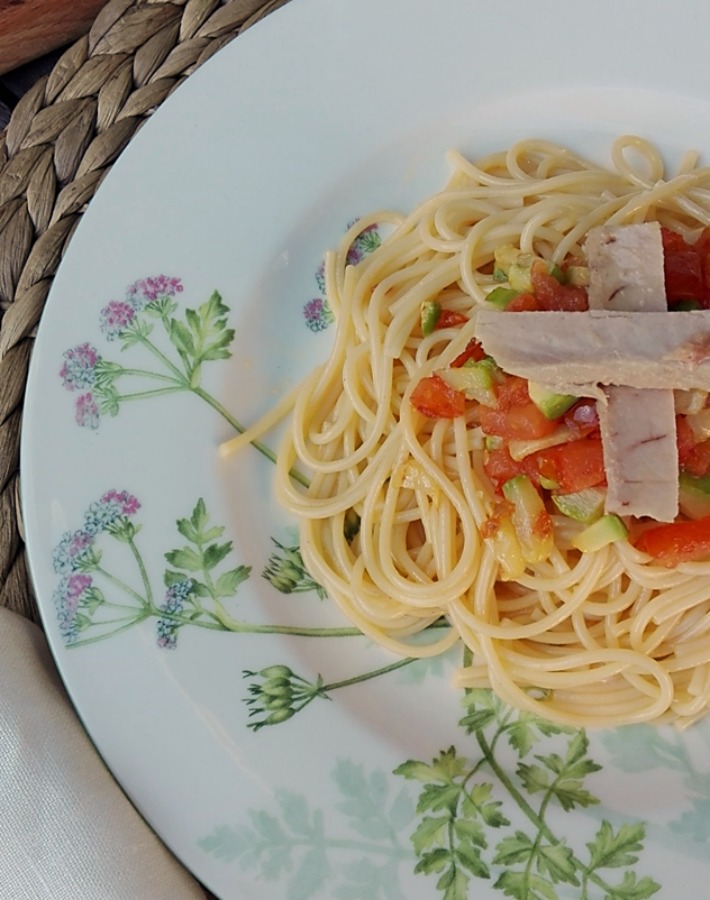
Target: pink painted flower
(86, 411)
(68, 596)
(127, 503)
(79, 369)
(107, 512)
(148, 290)
(72, 552)
(116, 316)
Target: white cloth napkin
(67, 831)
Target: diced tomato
(473, 350)
(684, 276)
(517, 423)
(685, 439)
(512, 391)
(697, 461)
(672, 240)
(582, 419)
(523, 303)
(434, 398)
(677, 542)
(551, 295)
(702, 248)
(684, 266)
(573, 466)
(500, 467)
(449, 318)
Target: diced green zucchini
(606, 530)
(550, 404)
(520, 273)
(504, 256)
(694, 495)
(507, 550)
(577, 275)
(501, 296)
(429, 315)
(475, 379)
(584, 506)
(556, 272)
(493, 442)
(530, 518)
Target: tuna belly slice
(640, 452)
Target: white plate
(237, 185)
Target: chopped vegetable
(531, 520)
(429, 315)
(450, 318)
(517, 423)
(549, 403)
(573, 466)
(506, 548)
(474, 379)
(584, 506)
(501, 296)
(677, 542)
(434, 398)
(694, 495)
(473, 350)
(606, 530)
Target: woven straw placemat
(62, 139)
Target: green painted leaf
(310, 875)
(228, 582)
(443, 768)
(470, 831)
(614, 850)
(432, 831)
(433, 861)
(694, 823)
(296, 813)
(215, 553)
(457, 889)
(570, 793)
(534, 777)
(181, 337)
(185, 559)
(525, 886)
(638, 748)
(436, 797)
(633, 889)
(187, 530)
(469, 856)
(367, 881)
(557, 861)
(514, 849)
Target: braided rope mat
(61, 141)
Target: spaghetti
(587, 639)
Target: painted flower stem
(146, 373)
(82, 642)
(179, 376)
(536, 818)
(156, 392)
(127, 589)
(143, 573)
(258, 445)
(367, 676)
